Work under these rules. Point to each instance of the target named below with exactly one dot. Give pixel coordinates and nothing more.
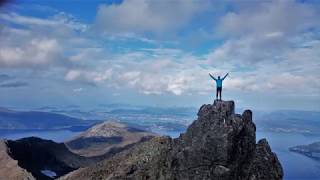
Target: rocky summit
(218, 145)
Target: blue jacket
(219, 81)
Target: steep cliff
(36, 156)
(9, 168)
(218, 145)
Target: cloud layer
(269, 47)
(138, 16)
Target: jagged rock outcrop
(9, 168)
(34, 155)
(218, 145)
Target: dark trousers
(219, 91)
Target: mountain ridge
(107, 137)
(37, 158)
(218, 145)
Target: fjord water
(296, 166)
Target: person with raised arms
(219, 84)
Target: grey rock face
(9, 168)
(218, 145)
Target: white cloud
(263, 32)
(36, 42)
(270, 47)
(157, 83)
(59, 20)
(157, 73)
(90, 77)
(179, 85)
(72, 75)
(288, 81)
(85, 54)
(35, 52)
(242, 83)
(267, 48)
(182, 74)
(13, 17)
(78, 90)
(269, 17)
(146, 15)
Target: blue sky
(159, 53)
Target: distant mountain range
(289, 121)
(36, 120)
(147, 118)
(156, 119)
(117, 110)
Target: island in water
(311, 150)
